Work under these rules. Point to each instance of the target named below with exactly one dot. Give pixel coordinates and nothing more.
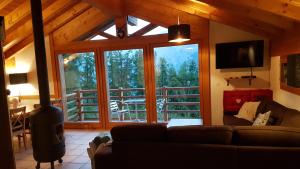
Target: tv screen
(240, 54)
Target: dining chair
(114, 109)
(17, 116)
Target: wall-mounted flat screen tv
(240, 54)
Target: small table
(184, 122)
(135, 102)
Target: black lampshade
(18, 78)
(179, 33)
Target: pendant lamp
(179, 32)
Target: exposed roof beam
(8, 5)
(254, 14)
(229, 18)
(166, 16)
(49, 13)
(79, 26)
(286, 8)
(111, 7)
(98, 30)
(21, 15)
(144, 30)
(51, 26)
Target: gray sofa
(201, 147)
(280, 115)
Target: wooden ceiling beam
(51, 26)
(6, 6)
(98, 30)
(80, 26)
(166, 16)
(22, 14)
(249, 12)
(144, 30)
(287, 8)
(111, 7)
(24, 30)
(216, 14)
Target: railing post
(165, 97)
(78, 100)
(121, 97)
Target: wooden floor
(76, 156)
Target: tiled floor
(76, 156)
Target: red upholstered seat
(234, 99)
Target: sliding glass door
(79, 86)
(125, 81)
(177, 82)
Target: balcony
(177, 102)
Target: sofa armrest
(104, 158)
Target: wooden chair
(114, 109)
(17, 116)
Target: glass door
(177, 83)
(79, 86)
(126, 86)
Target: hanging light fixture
(179, 32)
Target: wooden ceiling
(69, 20)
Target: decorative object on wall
(293, 70)
(289, 73)
(179, 32)
(18, 78)
(120, 33)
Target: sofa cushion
(234, 121)
(277, 110)
(140, 132)
(248, 111)
(266, 136)
(200, 134)
(291, 118)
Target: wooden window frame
(147, 44)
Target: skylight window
(98, 37)
(111, 30)
(156, 31)
(140, 24)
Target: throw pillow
(262, 119)
(248, 111)
(96, 145)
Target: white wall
(286, 98)
(25, 63)
(220, 33)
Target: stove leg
(38, 165)
(52, 164)
(60, 161)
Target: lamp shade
(17, 78)
(179, 33)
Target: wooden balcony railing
(84, 102)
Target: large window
(125, 78)
(78, 72)
(177, 82)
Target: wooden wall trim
(54, 64)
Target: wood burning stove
(47, 127)
(47, 132)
